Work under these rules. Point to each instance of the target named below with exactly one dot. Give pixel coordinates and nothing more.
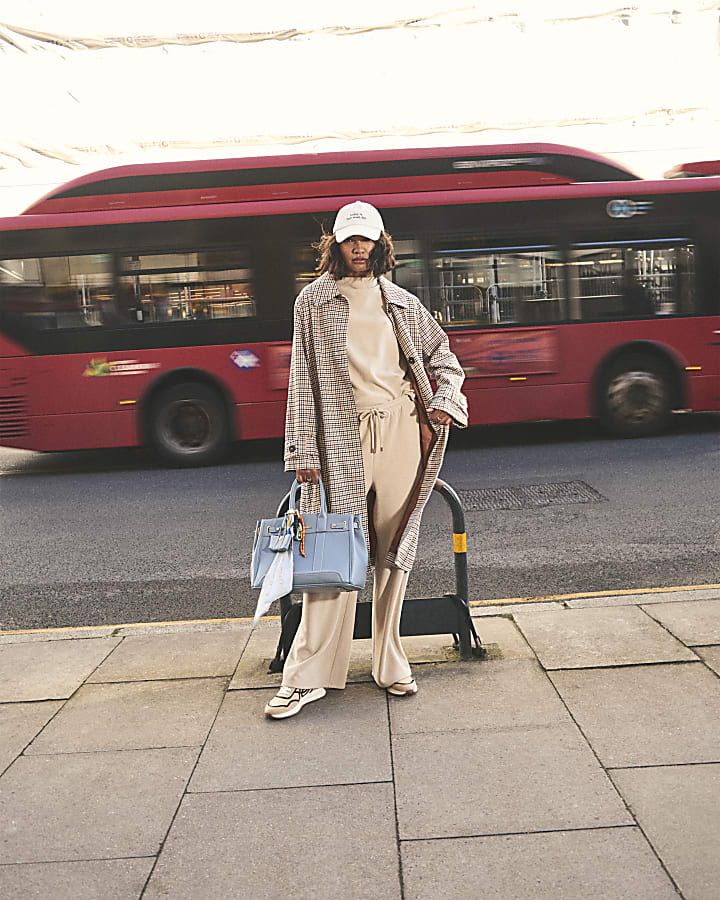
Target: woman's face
(355, 252)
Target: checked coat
(322, 429)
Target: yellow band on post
(460, 543)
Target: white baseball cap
(357, 218)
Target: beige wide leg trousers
(320, 654)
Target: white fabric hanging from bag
(277, 583)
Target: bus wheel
(636, 396)
(188, 425)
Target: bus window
(58, 292)
(409, 271)
(616, 281)
(182, 287)
(496, 286)
(305, 260)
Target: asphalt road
(103, 537)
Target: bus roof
(701, 169)
(192, 183)
(293, 206)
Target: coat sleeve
(443, 367)
(301, 448)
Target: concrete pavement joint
(63, 704)
(184, 791)
(630, 665)
(455, 837)
(676, 765)
(288, 787)
(394, 793)
(690, 647)
(610, 780)
(54, 862)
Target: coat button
(292, 448)
(411, 360)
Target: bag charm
(299, 531)
(278, 581)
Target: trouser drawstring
(375, 417)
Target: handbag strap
(293, 496)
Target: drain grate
(529, 496)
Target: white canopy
(87, 86)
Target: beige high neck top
(378, 372)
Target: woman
(361, 414)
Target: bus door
(500, 305)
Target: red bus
(152, 304)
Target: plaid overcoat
(322, 429)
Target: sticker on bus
(526, 352)
(244, 359)
(100, 366)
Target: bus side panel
(261, 420)
(529, 403)
(703, 392)
(9, 348)
(84, 431)
(261, 414)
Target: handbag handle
(293, 496)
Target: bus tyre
(188, 425)
(636, 396)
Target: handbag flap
(331, 522)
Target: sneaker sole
(285, 714)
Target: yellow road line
(618, 593)
(137, 625)
(499, 602)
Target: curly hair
(382, 257)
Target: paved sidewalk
(580, 761)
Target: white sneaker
(289, 701)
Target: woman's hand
(438, 417)
(311, 475)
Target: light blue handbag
(336, 556)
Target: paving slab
(480, 610)
(181, 655)
(252, 669)
(583, 638)
(134, 716)
(490, 782)
(194, 626)
(111, 879)
(322, 843)
(644, 599)
(341, 739)
(692, 622)
(49, 670)
(646, 715)
(599, 864)
(90, 805)
(472, 696)
(710, 656)
(504, 634)
(678, 808)
(19, 723)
